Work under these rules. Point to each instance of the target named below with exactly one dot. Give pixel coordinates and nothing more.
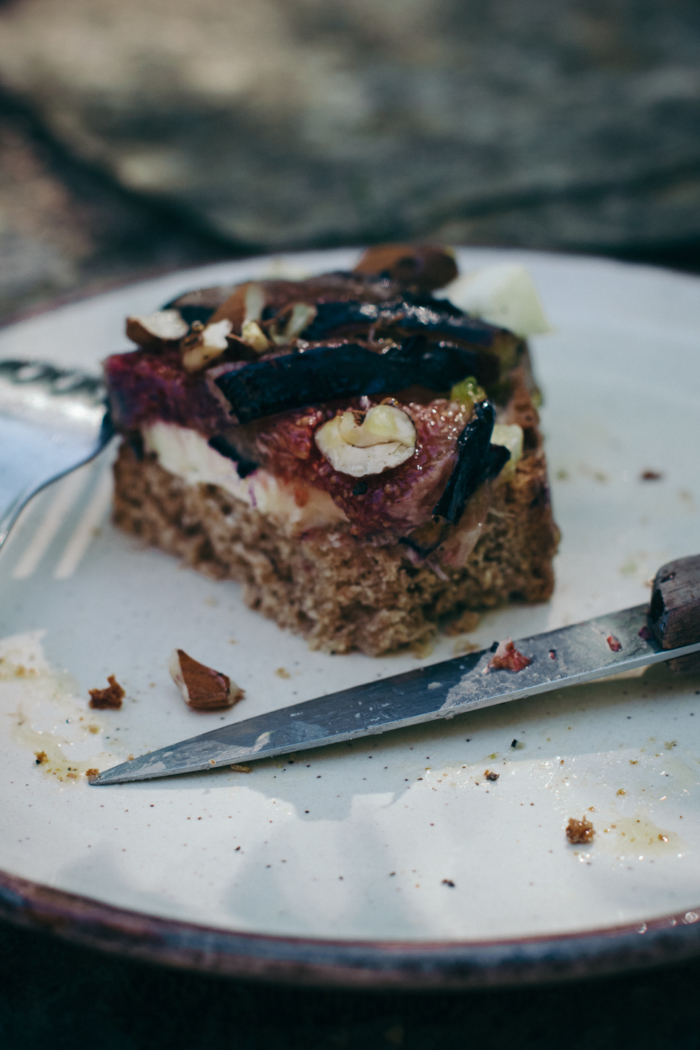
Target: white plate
(352, 844)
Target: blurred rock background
(140, 135)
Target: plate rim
(376, 964)
(380, 965)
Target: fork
(51, 422)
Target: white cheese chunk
(295, 505)
(504, 295)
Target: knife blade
(667, 629)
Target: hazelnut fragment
(109, 699)
(204, 344)
(152, 330)
(578, 831)
(291, 322)
(202, 688)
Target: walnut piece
(109, 698)
(202, 688)
(360, 443)
(579, 830)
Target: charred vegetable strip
(325, 373)
(474, 459)
(407, 315)
(497, 458)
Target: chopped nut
(204, 345)
(109, 698)
(164, 326)
(358, 443)
(92, 773)
(511, 437)
(41, 757)
(579, 830)
(490, 775)
(251, 332)
(296, 318)
(253, 335)
(202, 688)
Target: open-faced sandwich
(362, 454)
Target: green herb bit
(468, 392)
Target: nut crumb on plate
(109, 698)
(202, 688)
(578, 831)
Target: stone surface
(64, 230)
(57, 996)
(554, 123)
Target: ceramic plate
(391, 860)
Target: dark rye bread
(340, 592)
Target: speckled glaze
(393, 862)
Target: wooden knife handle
(674, 612)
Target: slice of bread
(387, 549)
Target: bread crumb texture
(340, 592)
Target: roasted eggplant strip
(326, 373)
(475, 461)
(403, 316)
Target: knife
(667, 629)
